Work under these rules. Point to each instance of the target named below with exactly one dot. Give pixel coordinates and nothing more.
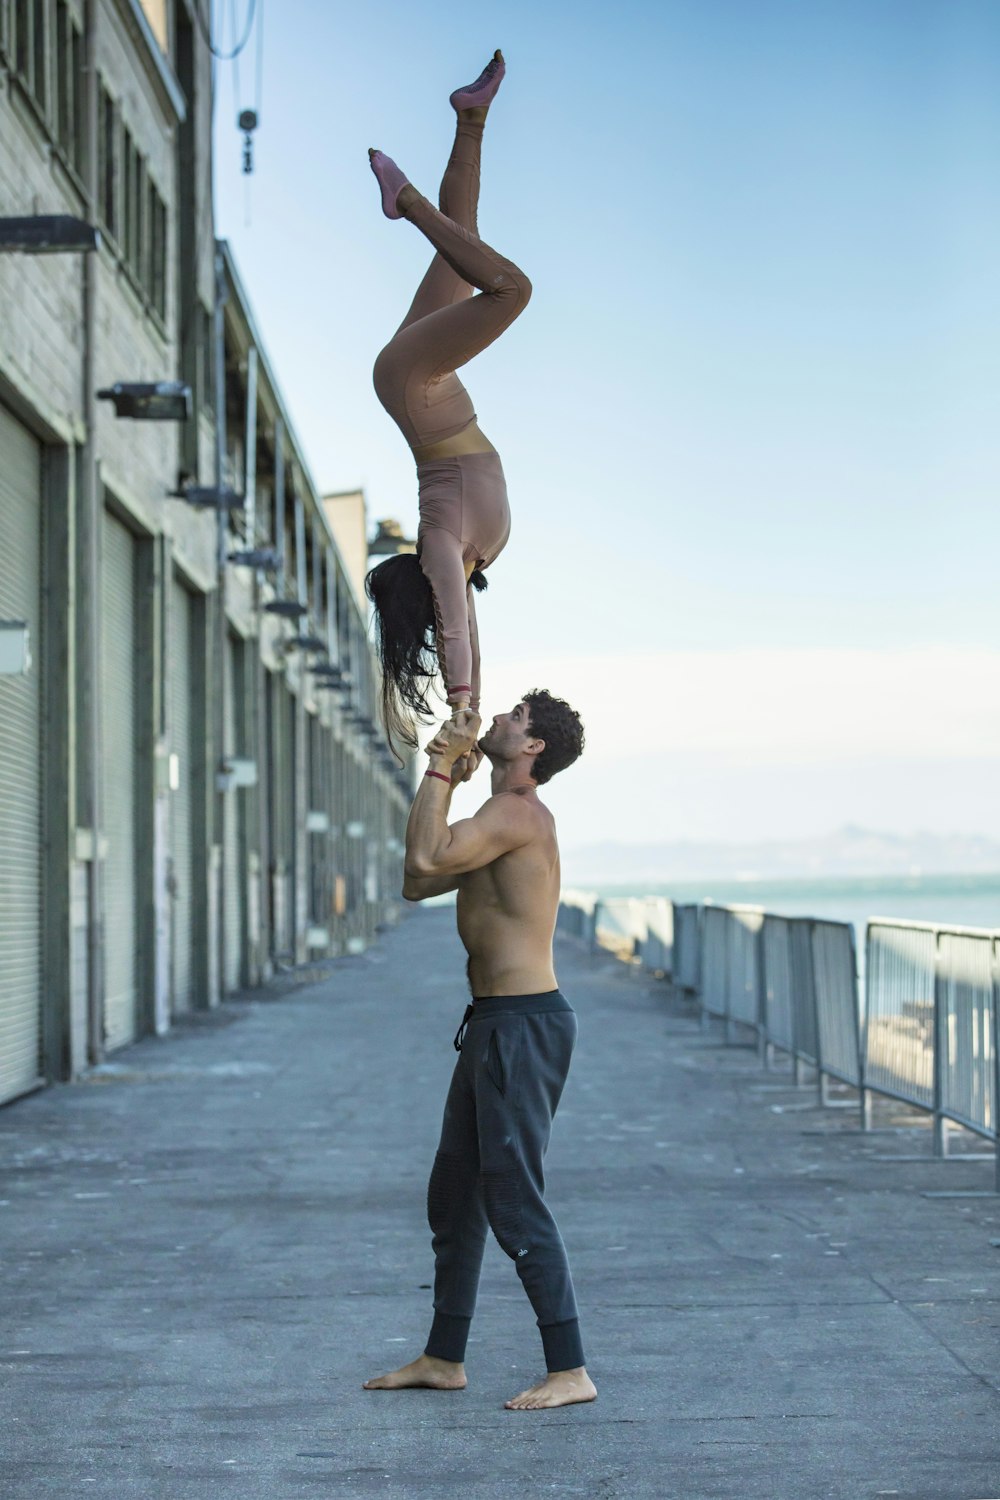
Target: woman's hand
(453, 741)
(463, 716)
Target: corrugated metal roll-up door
(118, 767)
(180, 658)
(233, 874)
(289, 788)
(20, 766)
(281, 789)
(272, 704)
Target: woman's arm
(444, 568)
(475, 673)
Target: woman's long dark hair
(406, 642)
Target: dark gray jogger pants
(488, 1170)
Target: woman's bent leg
(410, 373)
(458, 200)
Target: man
(515, 1042)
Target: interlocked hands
(454, 745)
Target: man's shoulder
(526, 811)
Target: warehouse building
(194, 792)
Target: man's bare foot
(428, 1372)
(559, 1388)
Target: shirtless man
(514, 1044)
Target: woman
(424, 604)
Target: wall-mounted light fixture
(47, 234)
(206, 497)
(330, 672)
(158, 401)
(305, 642)
(288, 609)
(265, 558)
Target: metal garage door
(119, 671)
(281, 799)
(233, 808)
(180, 659)
(20, 766)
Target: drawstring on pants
(460, 1033)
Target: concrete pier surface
(211, 1242)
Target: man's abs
(506, 919)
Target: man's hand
(452, 740)
(466, 766)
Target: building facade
(194, 792)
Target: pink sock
(485, 86)
(390, 179)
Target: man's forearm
(427, 826)
(420, 888)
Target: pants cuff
(562, 1345)
(448, 1337)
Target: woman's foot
(559, 1388)
(391, 180)
(426, 1372)
(479, 94)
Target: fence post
(866, 1093)
(728, 945)
(821, 1082)
(940, 1129)
(863, 1101)
(760, 966)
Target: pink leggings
(446, 325)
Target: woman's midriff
(469, 440)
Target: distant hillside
(850, 851)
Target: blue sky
(751, 408)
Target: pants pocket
(494, 1063)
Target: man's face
(508, 734)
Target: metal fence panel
(965, 1030)
(619, 923)
(714, 961)
(899, 1011)
(575, 915)
(656, 948)
(804, 1027)
(777, 1018)
(743, 925)
(687, 947)
(837, 1014)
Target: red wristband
(440, 776)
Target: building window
(157, 221)
(131, 173)
(23, 53)
(69, 85)
(206, 345)
(107, 163)
(39, 75)
(44, 41)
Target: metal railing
(655, 951)
(926, 1032)
(931, 1021)
(575, 917)
(686, 956)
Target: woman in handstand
(424, 605)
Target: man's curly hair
(552, 720)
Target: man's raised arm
(419, 888)
(434, 850)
